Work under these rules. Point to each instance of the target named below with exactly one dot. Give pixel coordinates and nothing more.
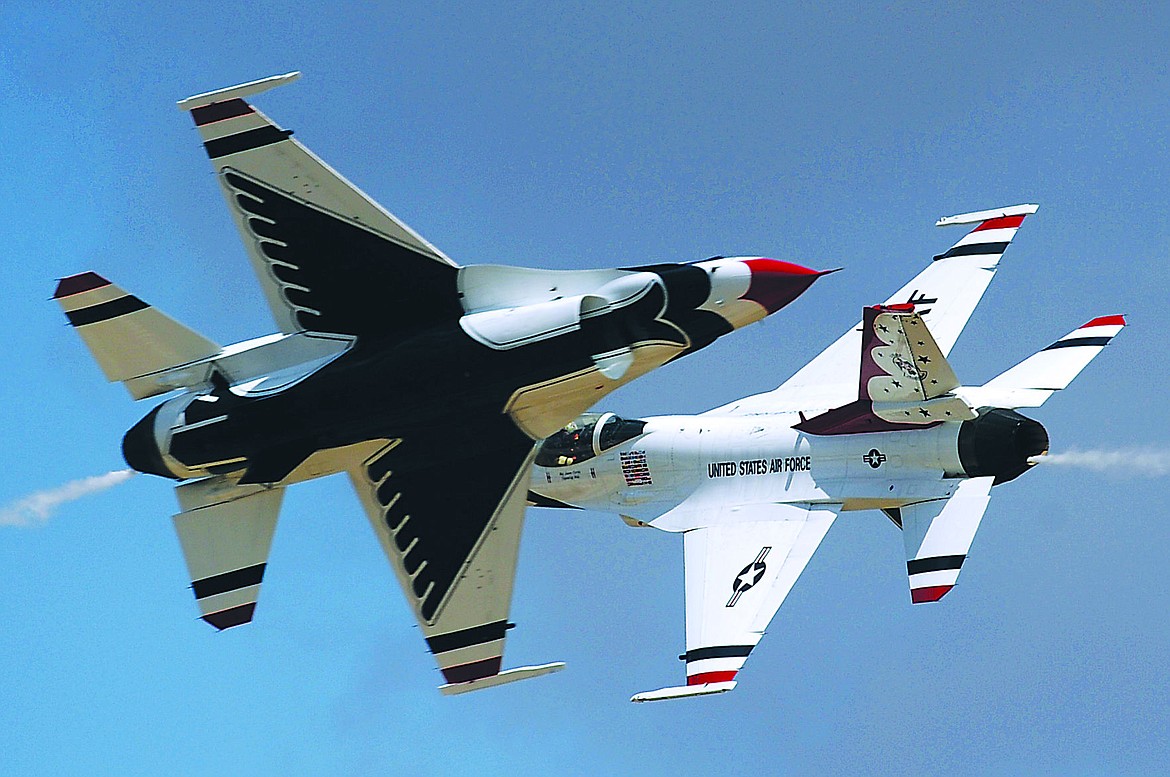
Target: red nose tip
(775, 283)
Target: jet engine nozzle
(140, 447)
(1002, 443)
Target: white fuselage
(713, 462)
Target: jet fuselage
(451, 375)
(716, 462)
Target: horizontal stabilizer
(937, 536)
(1031, 382)
(682, 691)
(130, 340)
(504, 677)
(226, 532)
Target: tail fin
(905, 380)
(1031, 382)
(130, 340)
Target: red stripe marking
(711, 677)
(1003, 222)
(233, 616)
(1106, 321)
(75, 284)
(476, 670)
(929, 594)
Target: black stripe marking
(934, 564)
(245, 141)
(1073, 342)
(228, 581)
(106, 310)
(476, 635)
(974, 249)
(727, 651)
(228, 109)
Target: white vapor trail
(39, 506)
(1135, 462)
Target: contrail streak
(39, 506)
(1137, 462)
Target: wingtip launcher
(240, 90)
(507, 676)
(987, 215)
(682, 691)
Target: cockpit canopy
(588, 436)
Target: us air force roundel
(748, 576)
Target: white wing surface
(944, 295)
(738, 573)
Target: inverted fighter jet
(878, 421)
(390, 363)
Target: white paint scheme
(955, 285)
(753, 495)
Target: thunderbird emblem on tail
(878, 421)
(391, 362)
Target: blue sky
(591, 135)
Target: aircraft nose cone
(774, 283)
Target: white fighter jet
(392, 362)
(878, 421)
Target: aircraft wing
(738, 572)
(448, 508)
(328, 257)
(944, 294)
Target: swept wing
(945, 295)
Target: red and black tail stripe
(918, 566)
(228, 581)
(476, 670)
(476, 635)
(723, 651)
(974, 249)
(104, 311)
(228, 109)
(245, 141)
